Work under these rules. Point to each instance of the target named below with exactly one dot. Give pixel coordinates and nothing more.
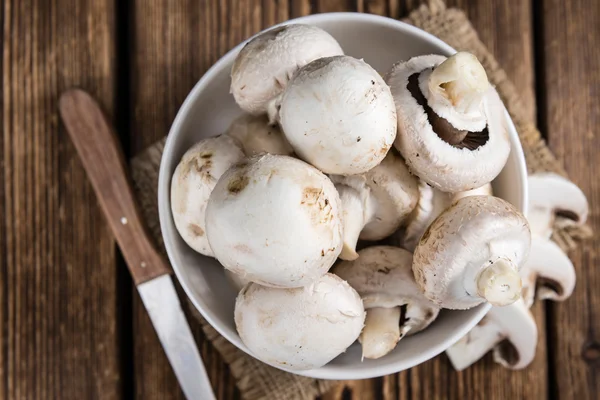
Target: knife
(104, 162)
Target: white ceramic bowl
(208, 110)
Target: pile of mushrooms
(349, 207)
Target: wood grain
(58, 320)
(569, 114)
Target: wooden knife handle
(103, 160)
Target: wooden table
(71, 325)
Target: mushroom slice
(551, 195)
(267, 62)
(512, 333)
(339, 115)
(375, 203)
(275, 220)
(256, 135)
(431, 204)
(193, 180)
(451, 127)
(383, 278)
(472, 253)
(300, 328)
(548, 273)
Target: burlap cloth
(256, 380)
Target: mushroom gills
(461, 139)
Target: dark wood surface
(72, 325)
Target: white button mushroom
(267, 62)
(375, 203)
(275, 220)
(451, 127)
(512, 333)
(472, 253)
(431, 204)
(383, 277)
(193, 180)
(339, 115)
(256, 135)
(300, 328)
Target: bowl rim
(165, 214)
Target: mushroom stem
(462, 80)
(499, 283)
(355, 215)
(381, 332)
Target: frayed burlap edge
(256, 380)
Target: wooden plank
(59, 302)
(569, 68)
(174, 43)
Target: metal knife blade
(161, 302)
(103, 160)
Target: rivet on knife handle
(102, 159)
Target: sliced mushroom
(275, 220)
(451, 127)
(512, 333)
(472, 253)
(301, 328)
(375, 203)
(383, 277)
(431, 204)
(548, 273)
(264, 66)
(339, 115)
(551, 195)
(256, 135)
(193, 180)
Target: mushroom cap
(275, 220)
(193, 180)
(339, 115)
(392, 194)
(446, 167)
(512, 333)
(256, 135)
(267, 62)
(548, 273)
(382, 276)
(432, 203)
(469, 236)
(551, 195)
(300, 328)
